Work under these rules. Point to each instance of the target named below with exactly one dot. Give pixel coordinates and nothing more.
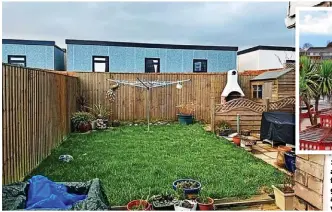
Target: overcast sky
(242, 24)
(315, 27)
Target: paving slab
(271, 154)
(262, 156)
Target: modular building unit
(106, 56)
(33, 54)
(264, 57)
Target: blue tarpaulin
(45, 194)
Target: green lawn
(132, 162)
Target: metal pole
(238, 123)
(148, 107)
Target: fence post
(267, 104)
(213, 114)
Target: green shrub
(99, 111)
(81, 117)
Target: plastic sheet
(278, 126)
(16, 196)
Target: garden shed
(273, 85)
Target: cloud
(239, 24)
(316, 23)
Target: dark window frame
(256, 92)
(152, 58)
(200, 60)
(11, 61)
(106, 61)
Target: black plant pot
(167, 207)
(115, 124)
(225, 132)
(106, 122)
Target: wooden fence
(36, 109)
(130, 101)
(250, 112)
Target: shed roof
(272, 74)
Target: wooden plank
(15, 119)
(5, 124)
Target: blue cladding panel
(132, 59)
(85, 52)
(173, 61)
(37, 56)
(59, 59)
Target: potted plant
(162, 202)
(237, 140)
(205, 203)
(280, 161)
(138, 205)
(81, 121)
(100, 112)
(115, 123)
(224, 128)
(290, 160)
(245, 132)
(183, 204)
(189, 187)
(284, 194)
(186, 113)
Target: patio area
(133, 163)
(268, 154)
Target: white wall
(268, 59)
(263, 59)
(248, 61)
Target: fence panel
(130, 101)
(37, 105)
(249, 112)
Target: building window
(19, 60)
(100, 64)
(152, 65)
(199, 65)
(257, 91)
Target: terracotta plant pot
(281, 155)
(205, 206)
(283, 200)
(237, 140)
(84, 127)
(136, 203)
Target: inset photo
(314, 43)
